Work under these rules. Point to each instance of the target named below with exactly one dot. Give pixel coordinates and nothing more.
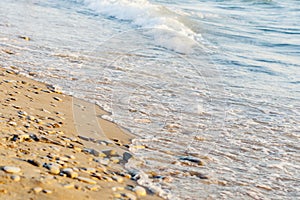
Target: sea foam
(164, 26)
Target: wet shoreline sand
(54, 146)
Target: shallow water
(213, 80)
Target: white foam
(165, 26)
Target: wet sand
(54, 146)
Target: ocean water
(216, 81)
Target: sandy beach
(53, 147)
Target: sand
(54, 146)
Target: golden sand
(54, 146)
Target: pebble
(192, 159)
(130, 196)
(104, 161)
(25, 38)
(71, 157)
(56, 125)
(15, 178)
(23, 113)
(34, 162)
(86, 180)
(140, 191)
(119, 179)
(93, 187)
(198, 174)
(127, 156)
(94, 152)
(11, 169)
(138, 147)
(117, 189)
(69, 186)
(57, 98)
(12, 123)
(24, 137)
(108, 178)
(37, 189)
(118, 195)
(31, 118)
(47, 191)
(127, 176)
(27, 125)
(70, 173)
(110, 153)
(53, 168)
(265, 187)
(89, 170)
(63, 158)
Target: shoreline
(55, 146)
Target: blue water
(214, 80)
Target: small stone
(199, 138)
(127, 156)
(108, 179)
(37, 189)
(53, 168)
(12, 123)
(192, 159)
(56, 125)
(57, 98)
(71, 157)
(32, 74)
(10, 71)
(110, 153)
(11, 169)
(102, 161)
(70, 173)
(24, 137)
(119, 179)
(130, 196)
(198, 174)
(27, 125)
(265, 187)
(46, 111)
(94, 152)
(69, 186)
(140, 191)
(47, 191)
(77, 187)
(34, 162)
(63, 158)
(89, 170)
(15, 178)
(127, 176)
(31, 118)
(23, 113)
(8, 51)
(78, 149)
(117, 189)
(101, 168)
(118, 195)
(86, 180)
(25, 38)
(138, 147)
(93, 187)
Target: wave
(165, 27)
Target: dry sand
(54, 146)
